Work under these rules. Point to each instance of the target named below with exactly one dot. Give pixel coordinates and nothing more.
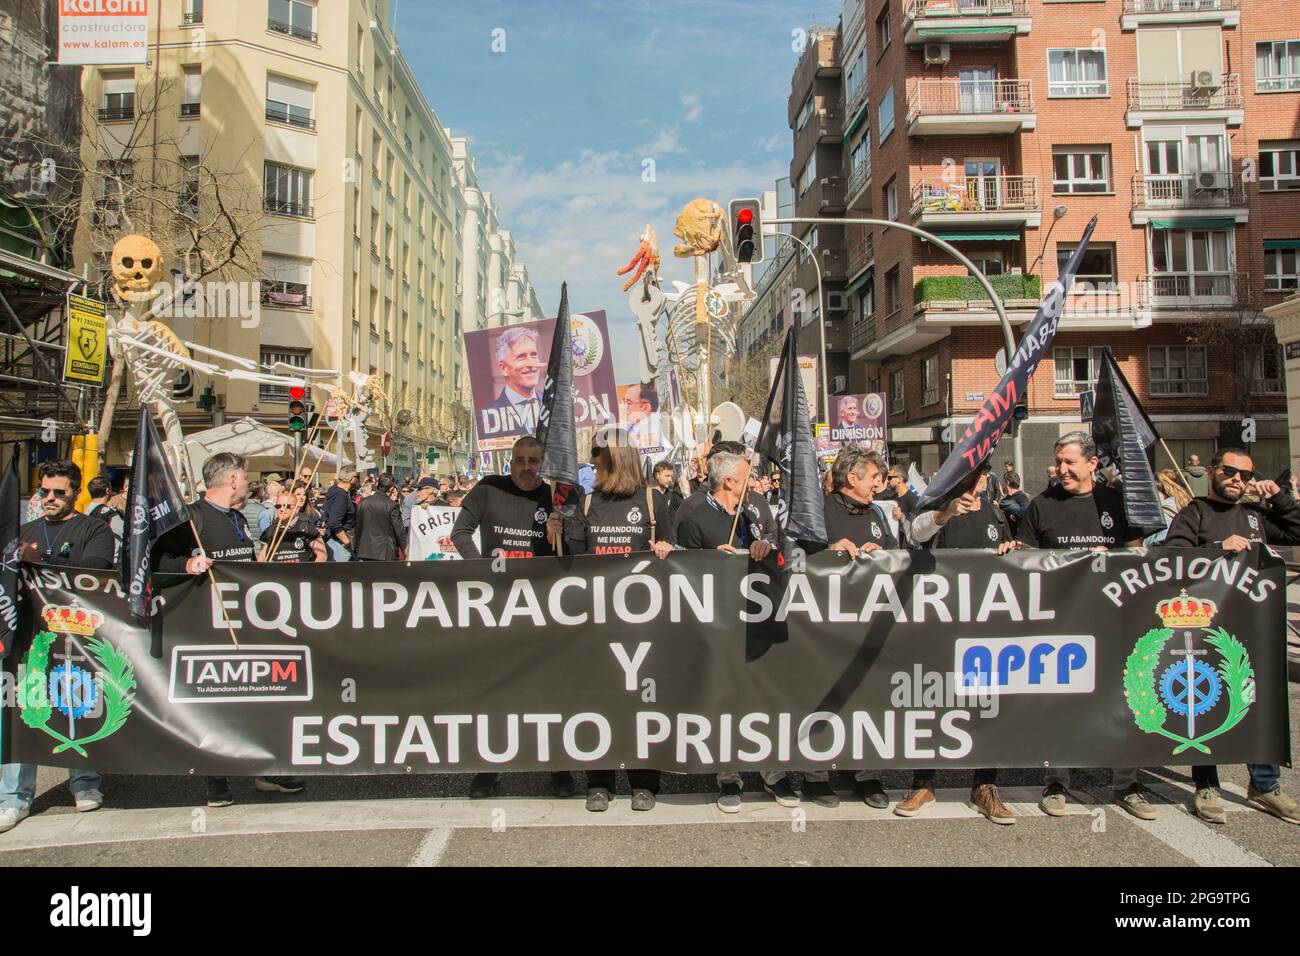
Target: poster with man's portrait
(638, 412)
(507, 373)
(858, 419)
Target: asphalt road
(427, 821)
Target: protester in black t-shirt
(100, 489)
(300, 542)
(665, 489)
(224, 536)
(1015, 502)
(619, 517)
(61, 537)
(896, 490)
(509, 511)
(759, 513)
(1075, 513)
(1222, 520)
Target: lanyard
(45, 530)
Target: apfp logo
(104, 697)
(1061, 664)
(1189, 687)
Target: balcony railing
(110, 114)
(1179, 6)
(858, 100)
(834, 262)
(1281, 83)
(832, 191)
(284, 207)
(918, 9)
(975, 195)
(829, 123)
(286, 300)
(864, 332)
(1182, 288)
(1194, 191)
(1220, 93)
(860, 176)
(862, 251)
(193, 17)
(277, 115)
(190, 109)
(969, 97)
(302, 33)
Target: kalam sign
(103, 31)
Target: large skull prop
(137, 268)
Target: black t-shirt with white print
(986, 528)
(224, 533)
(1206, 523)
(1058, 519)
(861, 524)
(295, 542)
(511, 522)
(708, 525)
(610, 525)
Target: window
(883, 29)
(1177, 369)
(286, 282)
(1096, 271)
(193, 91)
(856, 75)
(297, 18)
(1282, 266)
(1279, 166)
(885, 115)
(808, 175)
(1081, 169)
(893, 295)
(286, 190)
(1075, 370)
(1277, 66)
(930, 379)
(193, 12)
(896, 392)
(290, 101)
(119, 97)
(805, 113)
(988, 262)
(812, 238)
(298, 358)
(1195, 262)
(1077, 72)
(860, 156)
(1266, 377)
(891, 199)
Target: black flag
(961, 469)
(154, 506)
(785, 437)
(10, 521)
(1126, 439)
(555, 427)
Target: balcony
(861, 97)
(829, 124)
(1187, 197)
(190, 110)
(1193, 290)
(863, 333)
(1209, 96)
(820, 58)
(292, 30)
(966, 290)
(965, 22)
(859, 179)
(977, 201)
(277, 114)
(1227, 13)
(833, 262)
(280, 299)
(958, 107)
(862, 252)
(116, 114)
(282, 207)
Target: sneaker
(1208, 806)
(821, 793)
(219, 792)
(871, 793)
(783, 792)
(281, 784)
(562, 785)
(1275, 802)
(919, 799)
(1134, 800)
(729, 798)
(986, 799)
(643, 800)
(597, 800)
(10, 818)
(483, 785)
(1055, 800)
(88, 800)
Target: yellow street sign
(87, 347)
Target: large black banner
(695, 663)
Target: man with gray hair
(1080, 512)
(519, 363)
(340, 515)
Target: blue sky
(562, 121)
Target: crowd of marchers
(721, 501)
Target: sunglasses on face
(1246, 474)
(56, 492)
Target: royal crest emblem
(1189, 687)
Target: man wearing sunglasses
(1221, 520)
(61, 537)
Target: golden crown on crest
(71, 619)
(1183, 611)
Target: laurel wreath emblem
(118, 677)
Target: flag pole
(558, 541)
(1176, 468)
(216, 593)
(744, 496)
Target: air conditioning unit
(937, 54)
(1206, 80)
(837, 302)
(1212, 180)
(839, 383)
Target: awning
(861, 280)
(1271, 245)
(1002, 235)
(1192, 223)
(863, 110)
(952, 31)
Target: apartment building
(1003, 126)
(313, 110)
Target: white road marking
(1178, 828)
(432, 847)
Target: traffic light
(747, 230)
(297, 409)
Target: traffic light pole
(1007, 334)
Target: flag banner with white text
(695, 663)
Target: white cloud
(694, 108)
(771, 144)
(665, 143)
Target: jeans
(770, 777)
(1264, 777)
(337, 551)
(18, 784)
(824, 776)
(1121, 778)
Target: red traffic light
(745, 216)
(297, 392)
